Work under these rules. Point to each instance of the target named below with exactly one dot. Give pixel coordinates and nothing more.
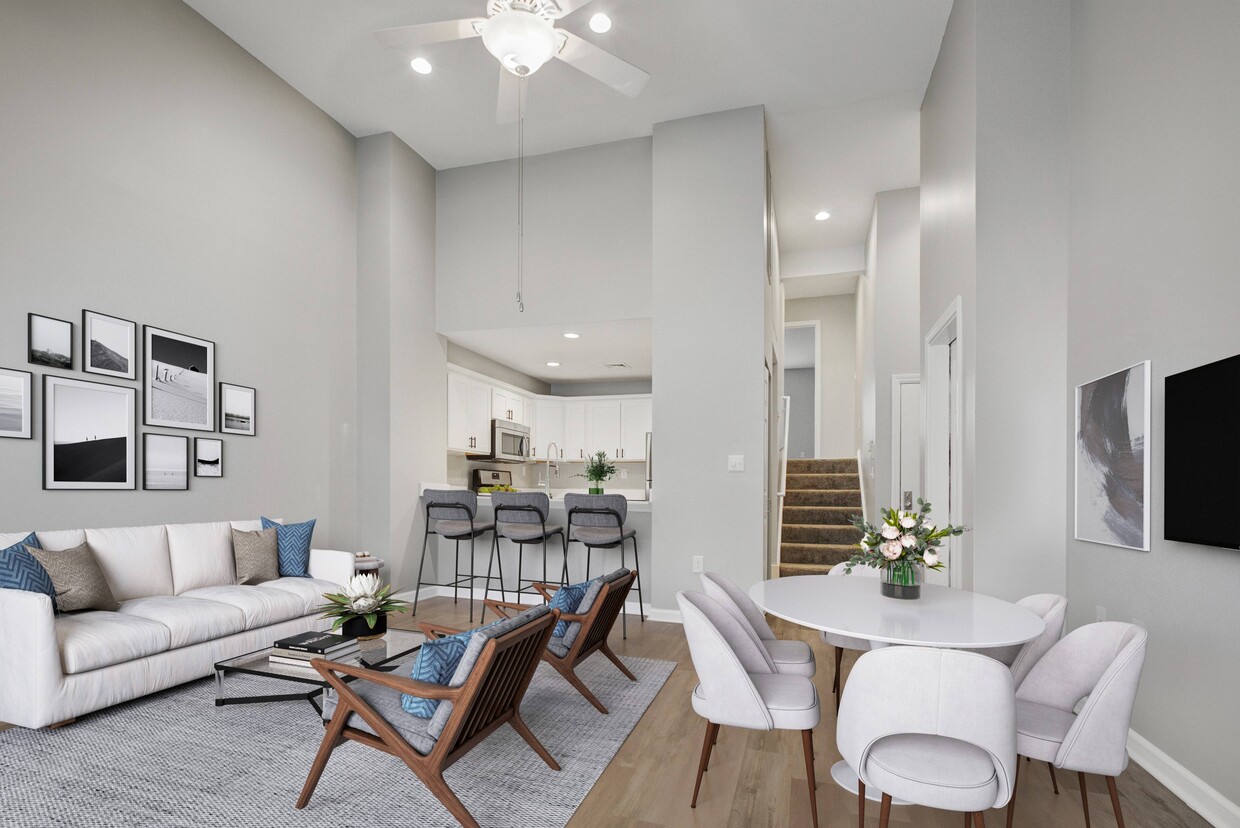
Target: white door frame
(897, 433)
(941, 395)
(817, 326)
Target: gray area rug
(175, 759)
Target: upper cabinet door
(458, 413)
(516, 409)
(548, 428)
(603, 418)
(637, 418)
(479, 416)
(574, 431)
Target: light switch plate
(736, 462)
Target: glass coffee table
(376, 654)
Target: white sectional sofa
(180, 612)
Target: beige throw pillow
(77, 578)
(257, 555)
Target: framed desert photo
(208, 457)
(49, 341)
(237, 409)
(165, 463)
(179, 373)
(1113, 459)
(89, 434)
(109, 345)
(16, 403)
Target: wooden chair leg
(807, 742)
(839, 658)
(860, 803)
(572, 679)
(708, 742)
(330, 740)
(968, 820)
(1011, 809)
(519, 725)
(615, 659)
(1084, 797)
(1119, 814)
(979, 819)
(448, 799)
(1054, 781)
(884, 811)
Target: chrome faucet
(552, 451)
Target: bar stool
(521, 517)
(597, 522)
(453, 512)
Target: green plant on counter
(489, 489)
(598, 469)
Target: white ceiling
(528, 350)
(800, 348)
(841, 80)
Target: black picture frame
(177, 385)
(16, 422)
(240, 427)
(97, 360)
(74, 456)
(170, 450)
(41, 335)
(204, 467)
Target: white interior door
(943, 444)
(906, 440)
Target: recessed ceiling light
(572, 336)
(420, 65)
(553, 365)
(600, 23)
(822, 216)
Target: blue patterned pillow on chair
(436, 663)
(20, 570)
(293, 547)
(567, 599)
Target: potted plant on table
(902, 545)
(361, 610)
(598, 469)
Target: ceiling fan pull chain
(521, 195)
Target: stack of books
(297, 650)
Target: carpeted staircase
(821, 498)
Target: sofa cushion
(79, 582)
(256, 555)
(261, 605)
(90, 640)
(7, 539)
(62, 538)
(20, 570)
(189, 620)
(201, 555)
(134, 559)
(310, 590)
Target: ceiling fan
(522, 36)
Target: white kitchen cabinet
(636, 418)
(548, 427)
(506, 405)
(469, 414)
(575, 431)
(603, 427)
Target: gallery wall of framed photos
(90, 429)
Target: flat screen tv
(1201, 489)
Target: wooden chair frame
(489, 698)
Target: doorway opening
(803, 387)
(943, 466)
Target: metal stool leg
(426, 537)
(456, 573)
(564, 571)
(499, 557)
(624, 611)
(486, 589)
(473, 581)
(520, 568)
(641, 606)
(545, 559)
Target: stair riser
(810, 466)
(796, 533)
(850, 498)
(801, 553)
(823, 481)
(820, 515)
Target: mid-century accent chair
(931, 727)
(789, 656)
(846, 642)
(587, 629)
(1102, 664)
(368, 711)
(597, 522)
(452, 513)
(521, 517)
(738, 688)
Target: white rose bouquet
(901, 542)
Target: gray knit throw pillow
(77, 578)
(257, 555)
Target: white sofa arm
(30, 673)
(331, 565)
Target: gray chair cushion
(791, 657)
(556, 645)
(459, 497)
(587, 601)
(617, 503)
(452, 529)
(538, 500)
(935, 771)
(77, 578)
(600, 535)
(527, 531)
(256, 555)
(386, 702)
(1040, 730)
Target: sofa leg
(61, 724)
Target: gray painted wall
(192, 189)
(465, 358)
(1155, 257)
(837, 360)
(799, 388)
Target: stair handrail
(865, 514)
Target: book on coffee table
(285, 661)
(318, 643)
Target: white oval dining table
(941, 617)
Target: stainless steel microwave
(510, 443)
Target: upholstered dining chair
(1100, 663)
(452, 514)
(846, 642)
(931, 727)
(737, 686)
(368, 710)
(789, 656)
(1020, 658)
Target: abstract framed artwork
(49, 341)
(208, 457)
(109, 345)
(179, 373)
(89, 434)
(1113, 459)
(16, 403)
(165, 462)
(238, 409)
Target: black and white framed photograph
(109, 345)
(208, 457)
(89, 434)
(238, 405)
(165, 462)
(1113, 460)
(16, 403)
(49, 342)
(179, 375)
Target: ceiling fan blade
(409, 38)
(602, 66)
(567, 7)
(507, 109)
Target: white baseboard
(652, 613)
(1217, 809)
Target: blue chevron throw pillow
(437, 662)
(293, 547)
(567, 599)
(19, 570)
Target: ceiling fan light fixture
(520, 40)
